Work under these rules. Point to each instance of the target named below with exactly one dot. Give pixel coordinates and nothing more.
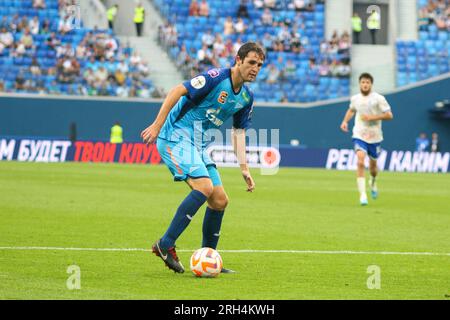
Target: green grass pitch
(73, 205)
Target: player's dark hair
(248, 47)
(366, 75)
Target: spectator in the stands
(267, 41)
(324, 69)
(65, 24)
(34, 25)
(101, 76)
(135, 59)
(13, 23)
(89, 76)
(122, 66)
(22, 25)
(422, 142)
(81, 51)
(258, 4)
(45, 29)
(204, 9)
(122, 91)
(143, 69)
(266, 17)
(39, 4)
(65, 51)
(53, 88)
(274, 74)
(19, 50)
(344, 43)
(35, 68)
(237, 44)
(194, 8)
(27, 39)
(205, 56)
(296, 43)
(240, 26)
(6, 38)
(289, 70)
(19, 83)
(434, 146)
(270, 4)
(218, 46)
(344, 70)
(229, 47)
(208, 39)
(228, 27)
(243, 10)
(52, 41)
(299, 5)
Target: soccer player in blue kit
(180, 130)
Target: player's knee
(360, 163)
(221, 203)
(206, 188)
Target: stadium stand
(429, 56)
(41, 52)
(301, 65)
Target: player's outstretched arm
(348, 116)
(239, 146)
(150, 133)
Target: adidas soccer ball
(206, 262)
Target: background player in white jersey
(370, 109)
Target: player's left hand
(249, 180)
(150, 134)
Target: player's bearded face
(365, 86)
(250, 66)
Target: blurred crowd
(435, 12)
(94, 65)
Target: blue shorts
(372, 149)
(185, 160)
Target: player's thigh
(183, 160)
(361, 156)
(218, 199)
(204, 185)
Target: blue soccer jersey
(210, 101)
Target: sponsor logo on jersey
(245, 96)
(214, 73)
(198, 82)
(222, 97)
(211, 115)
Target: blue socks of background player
(185, 212)
(211, 227)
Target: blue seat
(423, 35)
(443, 35)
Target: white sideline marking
(240, 251)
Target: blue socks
(211, 227)
(185, 212)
